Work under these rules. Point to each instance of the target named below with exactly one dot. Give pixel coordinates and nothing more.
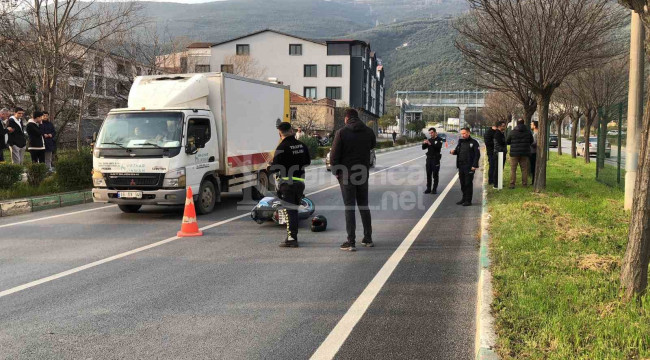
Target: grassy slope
(556, 262)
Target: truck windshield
(141, 130)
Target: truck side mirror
(94, 137)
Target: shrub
(323, 150)
(10, 174)
(384, 144)
(312, 145)
(36, 173)
(400, 141)
(74, 170)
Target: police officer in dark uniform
(290, 159)
(433, 146)
(468, 154)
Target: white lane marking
(56, 216)
(332, 344)
(143, 248)
(380, 155)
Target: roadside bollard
(500, 171)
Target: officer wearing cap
(433, 146)
(290, 159)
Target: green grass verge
(23, 190)
(556, 261)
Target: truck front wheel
(129, 208)
(262, 187)
(207, 198)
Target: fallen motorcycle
(268, 209)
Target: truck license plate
(129, 194)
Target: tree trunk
(588, 122)
(574, 135)
(634, 272)
(559, 137)
(543, 102)
(528, 115)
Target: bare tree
(310, 117)
(538, 43)
(557, 113)
(634, 272)
(500, 106)
(567, 99)
(246, 66)
(48, 36)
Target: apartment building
(343, 70)
(314, 116)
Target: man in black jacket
(16, 141)
(350, 159)
(468, 154)
(36, 142)
(290, 159)
(433, 147)
(519, 140)
(489, 147)
(4, 116)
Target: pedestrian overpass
(412, 103)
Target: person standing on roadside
(299, 133)
(467, 155)
(350, 160)
(533, 151)
(16, 140)
(489, 148)
(290, 159)
(394, 137)
(519, 139)
(4, 116)
(499, 146)
(36, 142)
(433, 145)
(48, 134)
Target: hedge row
(73, 172)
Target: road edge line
(337, 337)
(485, 340)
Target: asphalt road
(233, 293)
(612, 161)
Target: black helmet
(318, 223)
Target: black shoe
(460, 202)
(427, 191)
(368, 243)
(467, 204)
(289, 244)
(435, 191)
(348, 246)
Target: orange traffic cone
(189, 227)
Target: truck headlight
(98, 179)
(175, 179)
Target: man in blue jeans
(350, 160)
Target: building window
(333, 93)
(294, 113)
(76, 70)
(295, 49)
(243, 49)
(202, 68)
(228, 68)
(92, 109)
(123, 89)
(310, 92)
(310, 70)
(76, 92)
(121, 69)
(338, 49)
(99, 85)
(357, 50)
(99, 65)
(334, 71)
(111, 87)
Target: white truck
(212, 132)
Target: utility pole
(634, 106)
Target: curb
(45, 202)
(485, 334)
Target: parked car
(612, 132)
(593, 147)
(553, 141)
(373, 160)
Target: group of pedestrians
(35, 136)
(523, 151)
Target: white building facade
(342, 70)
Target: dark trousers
(38, 156)
(466, 177)
(492, 171)
(355, 194)
(533, 161)
(2, 149)
(433, 171)
(291, 193)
